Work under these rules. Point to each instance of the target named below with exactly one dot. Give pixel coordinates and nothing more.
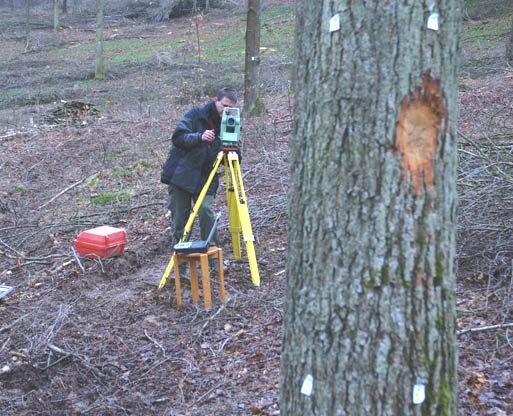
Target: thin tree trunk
(99, 73)
(252, 100)
(369, 326)
(56, 15)
(27, 23)
(197, 20)
(509, 46)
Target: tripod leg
(243, 215)
(177, 285)
(167, 272)
(194, 212)
(201, 197)
(233, 213)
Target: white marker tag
(432, 22)
(419, 393)
(307, 386)
(335, 23)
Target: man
(195, 145)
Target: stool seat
(191, 258)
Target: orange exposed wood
(417, 131)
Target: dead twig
(7, 327)
(65, 354)
(54, 349)
(211, 318)
(484, 328)
(155, 342)
(200, 398)
(7, 246)
(5, 343)
(77, 258)
(65, 190)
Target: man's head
(226, 97)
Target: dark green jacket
(190, 159)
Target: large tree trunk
(370, 309)
(252, 100)
(99, 72)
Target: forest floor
(93, 337)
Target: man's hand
(208, 136)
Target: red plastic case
(101, 242)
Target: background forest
(97, 337)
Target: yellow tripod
(238, 214)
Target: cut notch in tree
(417, 131)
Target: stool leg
(177, 283)
(194, 280)
(221, 274)
(205, 275)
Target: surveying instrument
(238, 213)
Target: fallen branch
(54, 349)
(7, 246)
(64, 191)
(221, 308)
(77, 258)
(13, 323)
(484, 328)
(65, 354)
(156, 343)
(10, 133)
(21, 260)
(278, 22)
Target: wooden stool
(203, 258)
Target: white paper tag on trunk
(432, 22)
(335, 23)
(307, 386)
(419, 393)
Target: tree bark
(252, 100)
(99, 72)
(370, 307)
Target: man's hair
(228, 93)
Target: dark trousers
(180, 204)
